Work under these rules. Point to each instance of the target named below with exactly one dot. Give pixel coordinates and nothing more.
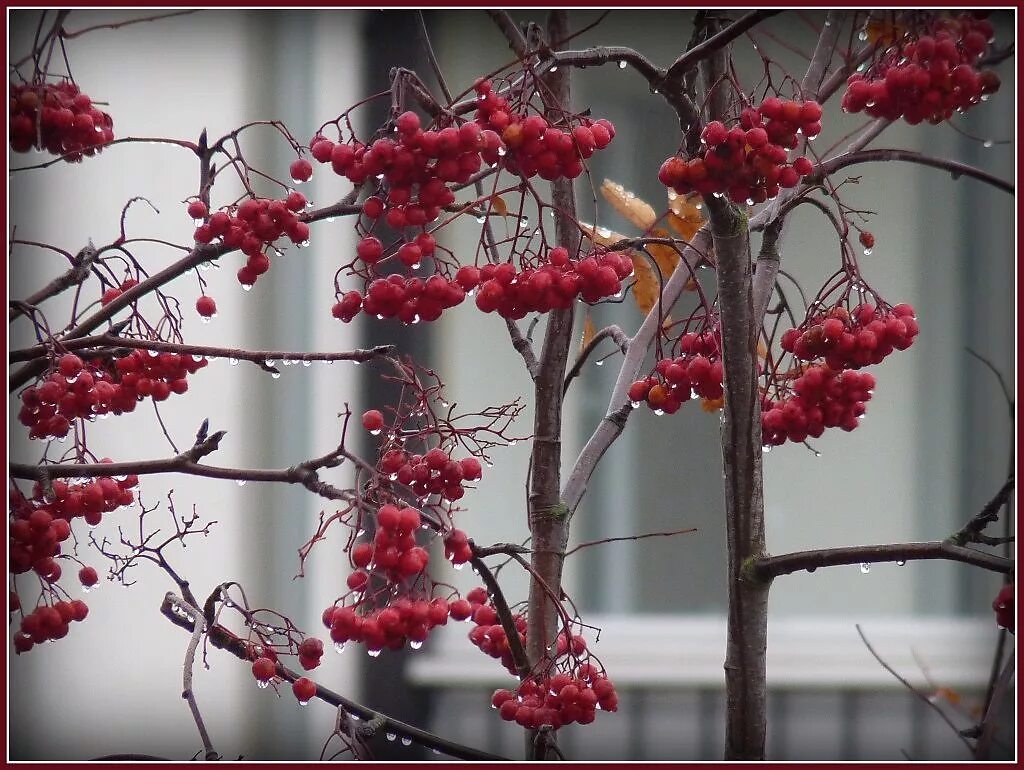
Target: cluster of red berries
(697, 371)
(417, 169)
(433, 473)
(1003, 606)
(88, 499)
(851, 339)
(80, 390)
(749, 162)
(393, 552)
(47, 623)
(823, 398)
(928, 79)
(116, 291)
(410, 300)
(254, 225)
(552, 286)
(58, 118)
(530, 146)
(390, 627)
(558, 700)
(488, 635)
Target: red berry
(263, 669)
(206, 306)
(369, 249)
(69, 365)
(867, 240)
(408, 123)
(373, 421)
(88, 577)
(304, 689)
(197, 210)
(301, 170)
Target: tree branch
(765, 568)
(619, 408)
(955, 168)
(511, 31)
(81, 265)
(716, 42)
(609, 331)
(223, 639)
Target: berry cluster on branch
(928, 75)
(57, 118)
(750, 161)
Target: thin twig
(924, 698)
(631, 537)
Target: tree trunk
(745, 683)
(549, 523)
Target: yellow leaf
(711, 404)
(685, 215)
(666, 257)
(588, 331)
(601, 236)
(883, 31)
(498, 204)
(645, 286)
(762, 350)
(637, 211)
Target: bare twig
(614, 332)
(955, 168)
(920, 695)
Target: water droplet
(339, 647)
(622, 65)
(375, 432)
(303, 702)
(900, 562)
(868, 252)
(406, 741)
(481, 219)
(513, 442)
(460, 566)
(262, 684)
(501, 152)
(988, 143)
(233, 361)
(865, 568)
(659, 412)
(635, 404)
(863, 35)
(87, 589)
(390, 736)
(246, 287)
(373, 653)
(599, 362)
(828, 22)
(275, 375)
(766, 448)
(654, 90)
(553, 69)
(986, 97)
(415, 266)
(331, 219)
(415, 645)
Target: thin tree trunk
(549, 522)
(745, 683)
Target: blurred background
(932, 450)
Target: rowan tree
(507, 155)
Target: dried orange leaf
(711, 404)
(762, 350)
(645, 286)
(637, 211)
(588, 331)
(498, 204)
(601, 236)
(666, 257)
(685, 214)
